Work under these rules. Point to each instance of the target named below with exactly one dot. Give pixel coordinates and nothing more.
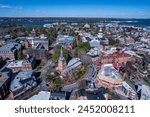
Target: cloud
(2, 6)
(5, 6)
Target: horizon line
(70, 17)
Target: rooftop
(19, 63)
(92, 95)
(73, 63)
(109, 71)
(58, 96)
(37, 38)
(15, 64)
(23, 79)
(94, 51)
(65, 38)
(10, 47)
(145, 92)
(94, 43)
(116, 54)
(129, 86)
(42, 95)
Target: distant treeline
(66, 19)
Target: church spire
(61, 55)
(32, 43)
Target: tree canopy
(83, 48)
(56, 53)
(20, 55)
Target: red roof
(117, 54)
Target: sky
(75, 8)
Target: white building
(145, 92)
(42, 95)
(129, 90)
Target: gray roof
(58, 96)
(93, 95)
(24, 79)
(94, 51)
(94, 43)
(145, 92)
(39, 46)
(15, 64)
(129, 85)
(10, 48)
(73, 63)
(65, 39)
(42, 95)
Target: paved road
(92, 73)
(90, 77)
(43, 70)
(70, 87)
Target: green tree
(52, 88)
(58, 81)
(83, 48)
(20, 55)
(113, 42)
(56, 53)
(49, 32)
(74, 43)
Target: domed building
(109, 77)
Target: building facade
(9, 50)
(4, 86)
(116, 57)
(23, 85)
(17, 65)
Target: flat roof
(15, 63)
(42, 95)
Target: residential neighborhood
(75, 61)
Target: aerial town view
(45, 55)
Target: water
(132, 22)
(142, 23)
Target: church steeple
(61, 63)
(32, 43)
(61, 57)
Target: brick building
(23, 41)
(4, 85)
(35, 41)
(38, 54)
(116, 57)
(23, 85)
(17, 65)
(9, 50)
